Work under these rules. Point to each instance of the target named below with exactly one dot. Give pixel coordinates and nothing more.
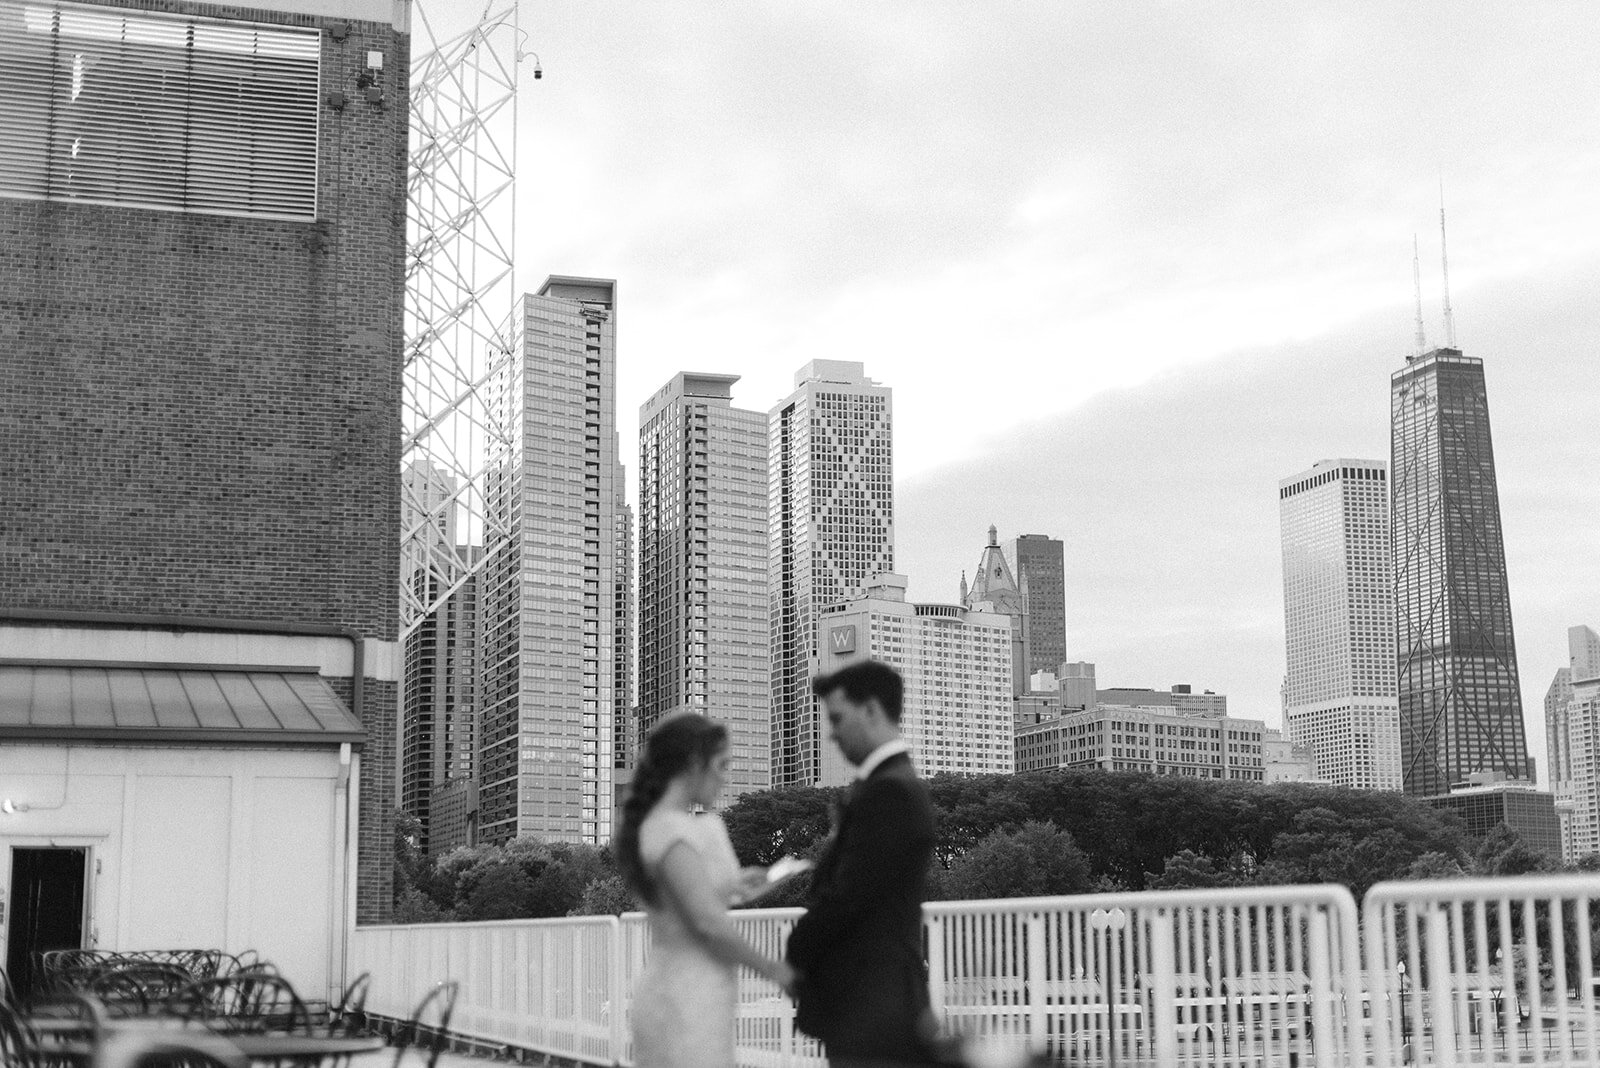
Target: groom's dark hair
(863, 681)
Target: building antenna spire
(1444, 253)
(1416, 278)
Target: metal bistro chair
(19, 1045)
(428, 1029)
(154, 1049)
(349, 1017)
(137, 988)
(63, 971)
(250, 1002)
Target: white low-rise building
(957, 666)
(181, 801)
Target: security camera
(538, 72)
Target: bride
(683, 868)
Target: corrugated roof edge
(217, 736)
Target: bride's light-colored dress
(683, 1009)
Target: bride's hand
(783, 974)
(751, 884)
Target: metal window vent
(116, 106)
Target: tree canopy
(1067, 831)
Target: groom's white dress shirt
(893, 747)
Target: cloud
(1166, 496)
(1124, 265)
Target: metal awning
(158, 704)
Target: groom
(862, 988)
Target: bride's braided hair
(677, 744)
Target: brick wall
(200, 414)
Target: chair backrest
(19, 1046)
(429, 1027)
(246, 1002)
(135, 988)
(350, 1015)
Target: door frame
(93, 847)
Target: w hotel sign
(842, 640)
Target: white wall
(197, 847)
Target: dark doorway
(46, 908)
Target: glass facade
(1338, 609)
(1530, 813)
(703, 567)
(438, 702)
(830, 515)
(1460, 701)
(550, 598)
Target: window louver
(113, 106)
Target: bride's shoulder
(663, 828)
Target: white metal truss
(459, 300)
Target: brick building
(202, 247)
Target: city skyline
(1234, 261)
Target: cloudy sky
(1124, 265)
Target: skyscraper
(1460, 705)
(703, 613)
(1338, 613)
(830, 514)
(956, 662)
(624, 723)
(1037, 562)
(994, 590)
(1572, 724)
(549, 596)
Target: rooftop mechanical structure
(460, 294)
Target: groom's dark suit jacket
(858, 949)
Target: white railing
(547, 985)
(1485, 971)
(1448, 973)
(1173, 978)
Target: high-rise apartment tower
(703, 613)
(1460, 702)
(830, 515)
(1338, 614)
(550, 639)
(1572, 723)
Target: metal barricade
(1484, 971)
(1240, 977)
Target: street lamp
(1103, 921)
(1405, 1017)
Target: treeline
(1031, 834)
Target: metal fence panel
(1472, 971)
(1239, 977)
(548, 985)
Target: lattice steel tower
(459, 300)
(1460, 700)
